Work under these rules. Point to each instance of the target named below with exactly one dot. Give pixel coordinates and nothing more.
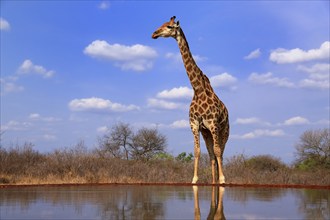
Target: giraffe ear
(177, 24)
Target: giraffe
(207, 113)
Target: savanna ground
(23, 165)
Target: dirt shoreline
(296, 186)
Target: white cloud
(178, 58)
(223, 80)
(268, 78)
(162, 104)
(317, 71)
(104, 5)
(49, 137)
(180, 124)
(319, 76)
(176, 93)
(102, 129)
(323, 122)
(136, 57)
(281, 55)
(34, 116)
(99, 105)
(245, 121)
(199, 58)
(253, 55)
(4, 25)
(28, 67)
(249, 121)
(148, 125)
(9, 87)
(314, 84)
(296, 121)
(16, 126)
(38, 117)
(260, 133)
(174, 56)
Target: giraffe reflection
(216, 207)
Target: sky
(70, 70)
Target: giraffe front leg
(196, 162)
(221, 176)
(197, 151)
(213, 170)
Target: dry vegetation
(23, 165)
(265, 169)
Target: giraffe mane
(183, 36)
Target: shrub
(259, 169)
(265, 163)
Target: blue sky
(72, 69)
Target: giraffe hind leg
(207, 136)
(222, 139)
(218, 148)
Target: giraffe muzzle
(155, 35)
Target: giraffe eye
(170, 27)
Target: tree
(313, 149)
(118, 141)
(122, 142)
(147, 143)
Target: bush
(265, 163)
(19, 159)
(262, 169)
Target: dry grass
(23, 165)
(266, 169)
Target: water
(162, 202)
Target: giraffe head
(168, 29)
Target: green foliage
(312, 164)
(183, 157)
(307, 164)
(163, 156)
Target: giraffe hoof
(195, 179)
(222, 180)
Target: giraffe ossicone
(207, 114)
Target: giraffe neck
(195, 75)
